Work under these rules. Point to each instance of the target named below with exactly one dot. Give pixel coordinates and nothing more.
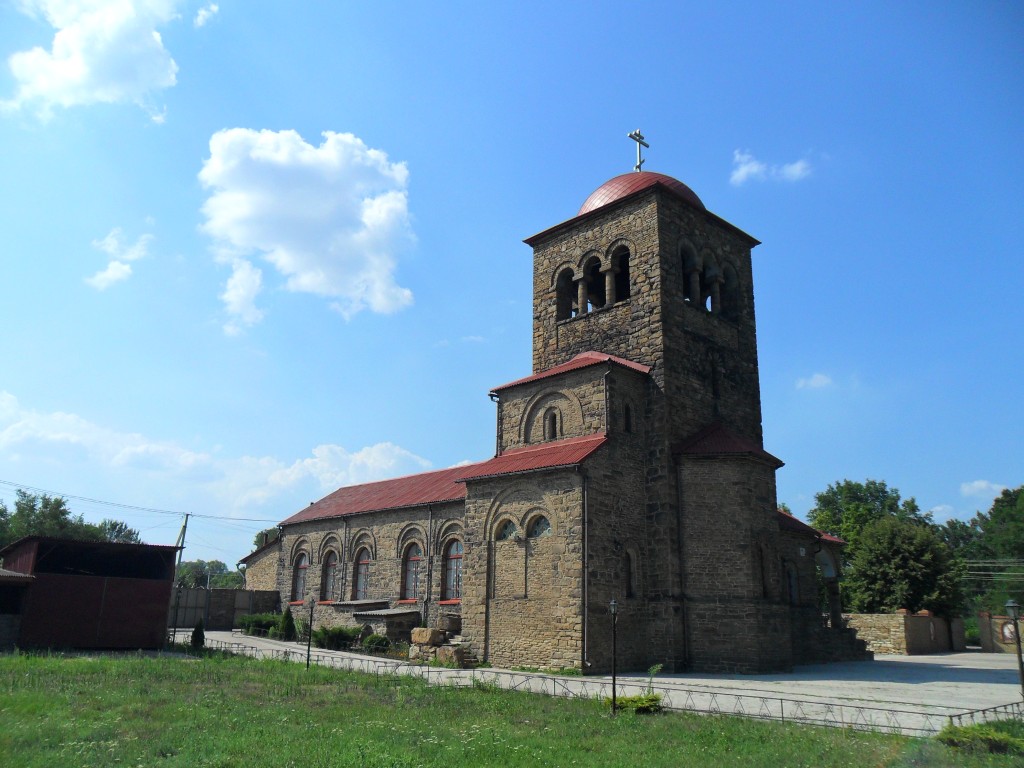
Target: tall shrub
(286, 627)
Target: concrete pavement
(908, 694)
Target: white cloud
(103, 51)
(331, 219)
(981, 489)
(117, 268)
(235, 483)
(746, 167)
(817, 381)
(795, 171)
(240, 294)
(205, 14)
(115, 272)
(473, 339)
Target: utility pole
(180, 544)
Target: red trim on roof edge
(716, 440)
(530, 458)
(582, 360)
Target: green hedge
(336, 638)
(258, 623)
(1000, 737)
(376, 643)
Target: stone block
(449, 623)
(427, 636)
(451, 655)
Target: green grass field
(217, 711)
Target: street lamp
(1013, 611)
(309, 632)
(613, 608)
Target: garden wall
(907, 634)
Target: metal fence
(923, 720)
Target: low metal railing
(924, 720)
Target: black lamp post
(1013, 611)
(613, 608)
(309, 633)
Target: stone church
(629, 466)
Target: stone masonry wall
(386, 534)
(522, 604)
(906, 634)
(628, 328)
(578, 397)
(737, 619)
(710, 359)
(261, 569)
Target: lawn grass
(223, 711)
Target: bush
(286, 625)
(376, 644)
(336, 638)
(258, 623)
(644, 704)
(198, 636)
(1003, 737)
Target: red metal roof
(446, 484)
(409, 491)
(562, 453)
(789, 523)
(628, 183)
(582, 360)
(716, 440)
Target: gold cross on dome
(639, 139)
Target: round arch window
(539, 526)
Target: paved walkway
(908, 694)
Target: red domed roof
(628, 183)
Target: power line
(134, 508)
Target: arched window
(792, 584)
(691, 277)
(730, 298)
(595, 283)
(565, 295)
(411, 572)
(551, 425)
(329, 578)
(506, 530)
(711, 280)
(539, 526)
(620, 263)
(361, 575)
(627, 418)
(452, 571)
(299, 569)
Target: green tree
(270, 533)
(286, 625)
(845, 508)
(46, 515)
(903, 564)
(118, 531)
(1000, 545)
(212, 573)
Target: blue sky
(255, 251)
